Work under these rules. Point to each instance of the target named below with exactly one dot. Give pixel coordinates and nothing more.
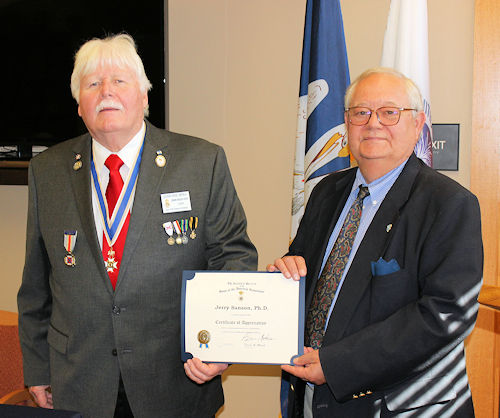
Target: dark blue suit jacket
(394, 341)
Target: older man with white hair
(393, 256)
(114, 217)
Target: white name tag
(175, 202)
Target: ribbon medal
(184, 227)
(193, 224)
(69, 245)
(177, 228)
(169, 229)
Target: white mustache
(108, 104)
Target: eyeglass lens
(386, 115)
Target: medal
(160, 159)
(169, 229)
(111, 264)
(69, 245)
(193, 224)
(177, 228)
(184, 227)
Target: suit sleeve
(446, 276)
(34, 298)
(228, 245)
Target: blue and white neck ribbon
(113, 224)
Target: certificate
(241, 317)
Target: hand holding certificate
(241, 317)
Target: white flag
(406, 50)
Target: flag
(321, 144)
(406, 49)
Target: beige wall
(13, 209)
(234, 71)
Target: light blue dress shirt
(378, 189)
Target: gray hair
(412, 91)
(119, 50)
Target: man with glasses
(392, 254)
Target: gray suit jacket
(76, 333)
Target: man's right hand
(292, 266)
(42, 395)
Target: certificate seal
(204, 338)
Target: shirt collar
(379, 187)
(127, 154)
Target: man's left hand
(307, 367)
(200, 372)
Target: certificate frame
(242, 317)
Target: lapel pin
(388, 228)
(160, 159)
(78, 163)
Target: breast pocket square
(382, 267)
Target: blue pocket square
(382, 267)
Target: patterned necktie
(332, 273)
(113, 255)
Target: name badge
(175, 202)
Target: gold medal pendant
(170, 241)
(111, 264)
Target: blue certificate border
(189, 275)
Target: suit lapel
(146, 194)
(82, 191)
(372, 247)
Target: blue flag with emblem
(321, 146)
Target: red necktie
(113, 255)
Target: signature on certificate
(256, 339)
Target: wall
(13, 210)
(234, 71)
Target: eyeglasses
(387, 116)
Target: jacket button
(114, 352)
(116, 310)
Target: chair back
(11, 360)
